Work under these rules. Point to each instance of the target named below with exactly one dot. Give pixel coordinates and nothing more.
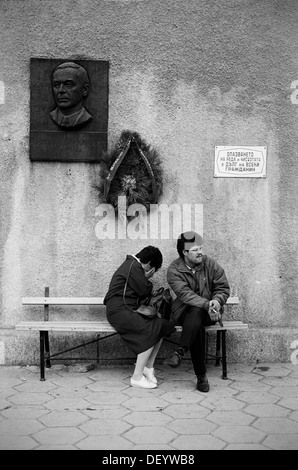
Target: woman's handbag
(155, 304)
(151, 305)
(165, 304)
(148, 311)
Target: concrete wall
(187, 76)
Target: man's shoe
(173, 361)
(142, 383)
(202, 383)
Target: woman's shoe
(142, 383)
(149, 374)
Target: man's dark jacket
(197, 289)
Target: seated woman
(141, 334)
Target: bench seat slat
(65, 326)
(227, 326)
(104, 326)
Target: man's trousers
(193, 321)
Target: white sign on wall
(240, 162)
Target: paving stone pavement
(80, 409)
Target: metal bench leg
(97, 348)
(206, 346)
(46, 336)
(217, 357)
(47, 349)
(224, 355)
(42, 355)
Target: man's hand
(214, 310)
(215, 304)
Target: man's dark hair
(187, 237)
(150, 254)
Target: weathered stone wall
(187, 76)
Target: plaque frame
(48, 141)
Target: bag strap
(124, 290)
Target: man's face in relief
(69, 89)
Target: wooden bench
(102, 327)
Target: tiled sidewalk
(256, 408)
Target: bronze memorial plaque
(68, 110)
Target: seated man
(202, 289)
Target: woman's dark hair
(150, 254)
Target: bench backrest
(62, 300)
(83, 301)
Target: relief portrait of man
(70, 87)
(69, 109)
